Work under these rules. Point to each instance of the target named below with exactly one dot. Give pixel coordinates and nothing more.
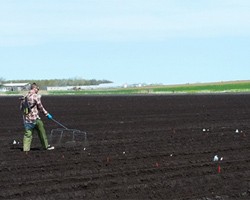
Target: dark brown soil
(137, 147)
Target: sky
(125, 41)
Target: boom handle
(59, 123)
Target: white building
(15, 86)
(84, 87)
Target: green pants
(27, 139)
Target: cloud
(37, 22)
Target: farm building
(84, 87)
(15, 86)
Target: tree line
(59, 82)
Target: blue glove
(49, 116)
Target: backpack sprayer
(67, 137)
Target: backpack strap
(26, 99)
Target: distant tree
(1, 81)
(60, 82)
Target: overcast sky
(126, 41)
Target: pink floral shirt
(36, 107)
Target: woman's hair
(34, 85)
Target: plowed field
(137, 147)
